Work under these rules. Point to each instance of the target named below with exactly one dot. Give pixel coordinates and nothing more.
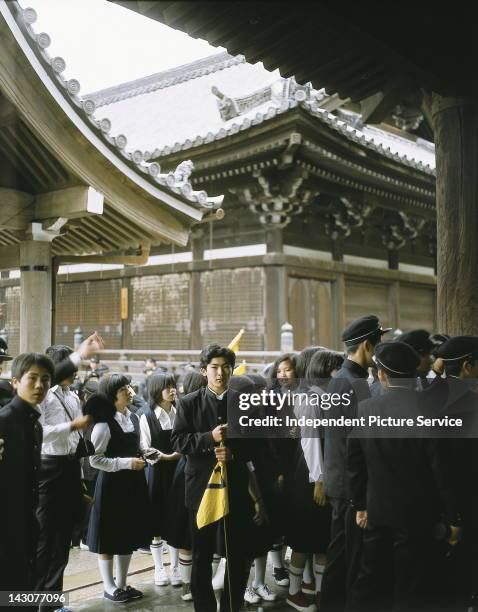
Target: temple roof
(110, 133)
(176, 110)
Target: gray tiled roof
(175, 110)
(176, 182)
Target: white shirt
(310, 440)
(166, 420)
(58, 439)
(100, 437)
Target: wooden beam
(377, 106)
(9, 257)
(72, 202)
(131, 260)
(15, 209)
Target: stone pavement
(82, 581)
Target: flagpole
(228, 568)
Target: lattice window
(231, 299)
(160, 316)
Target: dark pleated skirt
(178, 531)
(120, 519)
(160, 479)
(307, 528)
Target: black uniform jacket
(22, 433)
(399, 480)
(197, 414)
(352, 379)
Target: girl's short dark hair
(322, 364)
(292, 357)
(304, 357)
(23, 362)
(110, 384)
(215, 350)
(193, 381)
(156, 385)
(100, 407)
(58, 352)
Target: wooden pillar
(275, 305)
(274, 240)
(338, 249)
(339, 318)
(394, 305)
(36, 295)
(393, 259)
(455, 123)
(197, 248)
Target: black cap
(397, 358)
(4, 356)
(361, 329)
(459, 347)
(419, 339)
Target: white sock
(173, 556)
(157, 552)
(185, 565)
(122, 565)
(106, 572)
(215, 563)
(319, 573)
(259, 571)
(276, 555)
(308, 577)
(295, 579)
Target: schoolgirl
(308, 527)
(121, 494)
(156, 426)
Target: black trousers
(204, 545)
(395, 571)
(58, 509)
(343, 557)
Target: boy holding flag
(200, 433)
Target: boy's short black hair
(215, 350)
(23, 362)
(58, 352)
(110, 384)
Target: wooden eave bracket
(375, 108)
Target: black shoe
(118, 596)
(133, 593)
(281, 576)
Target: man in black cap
(419, 339)
(460, 358)
(360, 338)
(398, 492)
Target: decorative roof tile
(177, 181)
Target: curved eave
(38, 100)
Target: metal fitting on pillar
(286, 338)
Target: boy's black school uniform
(22, 435)
(400, 482)
(343, 553)
(197, 415)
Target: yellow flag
(240, 369)
(234, 344)
(215, 501)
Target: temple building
(324, 217)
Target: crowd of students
(374, 522)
